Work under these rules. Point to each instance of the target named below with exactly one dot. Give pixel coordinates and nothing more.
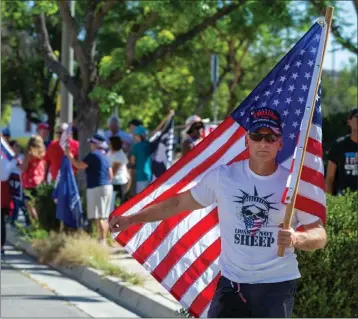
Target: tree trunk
(87, 119)
(50, 107)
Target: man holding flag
(209, 228)
(254, 282)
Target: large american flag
(182, 252)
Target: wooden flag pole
(290, 207)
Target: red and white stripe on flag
(182, 252)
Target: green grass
(116, 271)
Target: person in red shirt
(55, 152)
(6, 201)
(33, 167)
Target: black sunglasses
(269, 138)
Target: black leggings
(4, 211)
(120, 191)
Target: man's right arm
(156, 212)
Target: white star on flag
(298, 63)
(285, 113)
(310, 63)
(272, 82)
(283, 125)
(294, 75)
(317, 37)
(301, 100)
(287, 66)
(292, 136)
(307, 75)
(298, 112)
(302, 52)
(294, 124)
(264, 104)
(275, 102)
(267, 93)
(279, 90)
(304, 87)
(288, 100)
(314, 50)
(242, 113)
(282, 79)
(291, 88)
(256, 97)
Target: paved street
(29, 289)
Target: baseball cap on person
(193, 122)
(6, 132)
(353, 113)
(140, 130)
(265, 117)
(98, 140)
(61, 128)
(43, 126)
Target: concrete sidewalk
(121, 258)
(32, 289)
(150, 301)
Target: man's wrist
(131, 220)
(298, 239)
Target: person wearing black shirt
(342, 170)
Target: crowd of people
(117, 167)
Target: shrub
(328, 287)
(48, 248)
(79, 249)
(46, 208)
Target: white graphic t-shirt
(122, 175)
(250, 210)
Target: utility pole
(214, 80)
(66, 112)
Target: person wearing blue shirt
(140, 158)
(99, 186)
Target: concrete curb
(137, 299)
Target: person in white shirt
(255, 282)
(114, 130)
(15, 183)
(119, 161)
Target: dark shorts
(272, 300)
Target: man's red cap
(43, 126)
